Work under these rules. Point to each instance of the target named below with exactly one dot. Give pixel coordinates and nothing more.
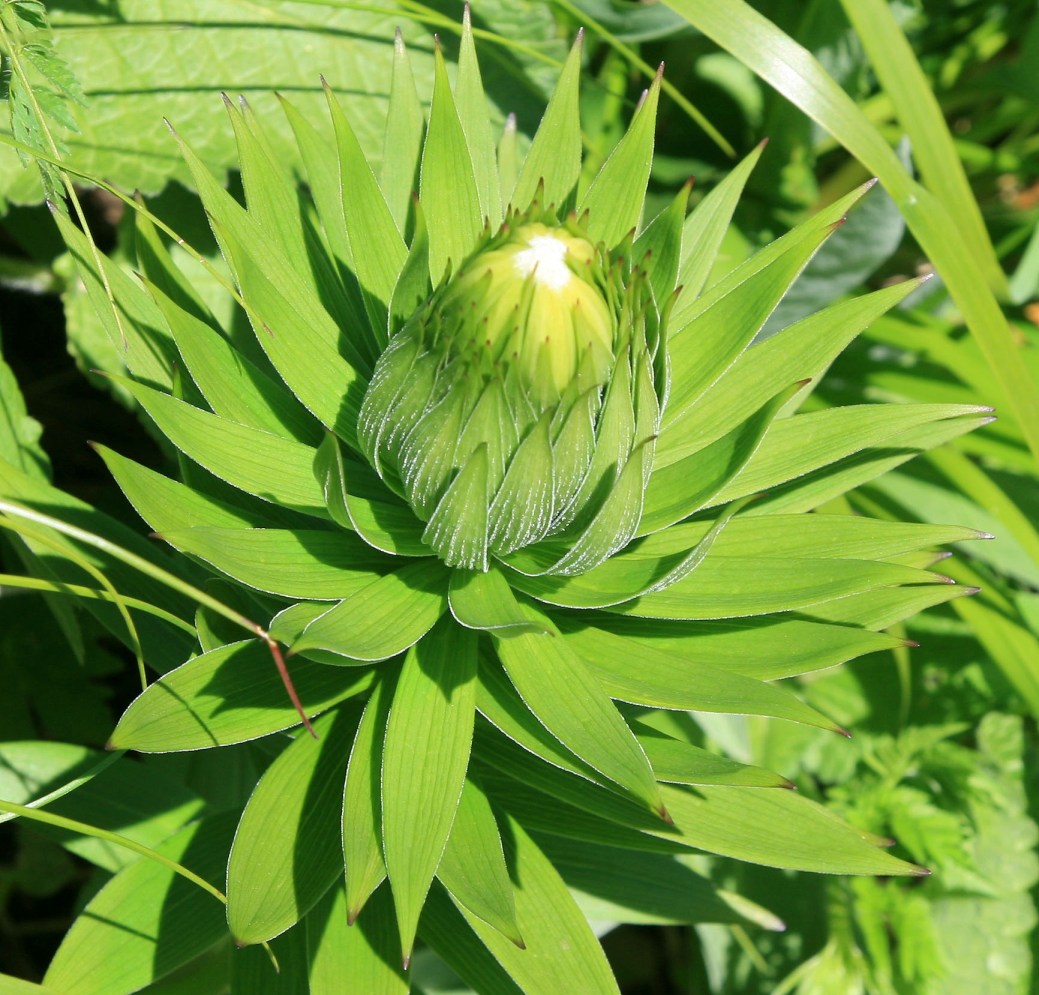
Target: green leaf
(139, 336)
(554, 158)
(387, 524)
(765, 648)
(425, 757)
(362, 805)
(728, 586)
(472, 113)
(779, 60)
(559, 942)
(402, 142)
(322, 367)
(661, 242)
(413, 287)
(678, 762)
(472, 867)
(147, 920)
(269, 466)
(364, 957)
(481, 600)
(457, 529)
(318, 566)
(705, 230)
(287, 851)
(229, 695)
(558, 687)
(232, 386)
(615, 198)
(384, 618)
(611, 884)
(796, 446)
(377, 247)
(669, 498)
(804, 350)
(448, 187)
(19, 434)
(722, 323)
(635, 672)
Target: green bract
(484, 465)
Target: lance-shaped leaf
(402, 141)
(269, 466)
(362, 806)
(669, 496)
(640, 674)
(662, 243)
(472, 112)
(425, 756)
(287, 851)
(364, 957)
(377, 247)
(734, 586)
(705, 229)
(383, 522)
(795, 446)
(567, 699)
(472, 867)
(803, 350)
(481, 600)
(448, 187)
(233, 387)
(614, 200)
(382, 619)
(147, 920)
(301, 563)
(558, 940)
(229, 695)
(554, 159)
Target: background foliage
(943, 758)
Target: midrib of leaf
(798, 76)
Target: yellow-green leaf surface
(554, 158)
(770, 826)
(364, 957)
(300, 563)
(425, 756)
(558, 687)
(481, 600)
(640, 674)
(448, 187)
(287, 850)
(383, 522)
(473, 868)
(559, 941)
(611, 884)
(402, 140)
(472, 113)
(229, 695)
(362, 806)
(147, 920)
(705, 229)
(273, 468)
(614, 200)
(377, 246)
(803, 350)
(733, 586)
(796, 446)
(384, 618)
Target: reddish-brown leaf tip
(664, 814)
(910, 643)
(920, 871)
(841, 731)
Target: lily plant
(502, 465)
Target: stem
(69, 786)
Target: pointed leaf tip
(920, 871)
(841, 731)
